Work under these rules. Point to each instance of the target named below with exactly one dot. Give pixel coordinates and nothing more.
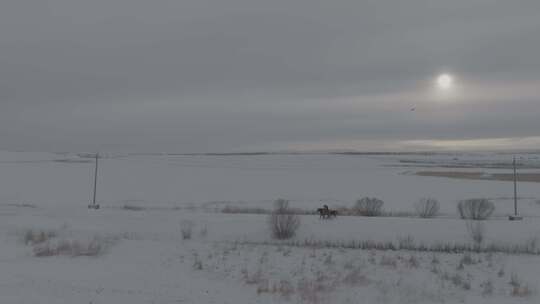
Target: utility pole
(515, 217)
(94, 205)
(515, 187)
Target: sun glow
(445, 82)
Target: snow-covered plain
(231, 258)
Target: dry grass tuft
(355, 277)
(133, 208)
(33, 237)
(518, 288)
(476, 231)
(186, 229)
(487, 288)
(73, 248)
(388, 261)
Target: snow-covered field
(141, 256)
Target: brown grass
(33, 237)
(74, 248)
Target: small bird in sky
(413, 109)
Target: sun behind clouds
(445, 82)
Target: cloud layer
(231, 75)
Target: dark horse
(326, 213)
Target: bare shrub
(186, 229)
(427, 207)
(283, 224)
(475, 209)
(476, 232)
(369, 206)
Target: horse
(322, 212)
(326, 213)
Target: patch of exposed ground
(523, 177)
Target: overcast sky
(246, 75)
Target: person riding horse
(325, 212)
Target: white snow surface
(231, 258)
